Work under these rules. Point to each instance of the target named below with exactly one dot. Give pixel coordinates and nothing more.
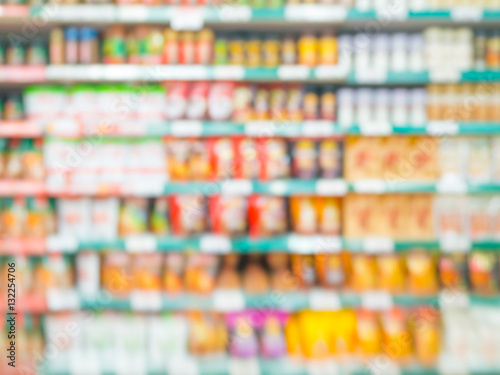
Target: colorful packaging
(197, 107)
(426, 335)
(255, 278)
(483, 272)
(147, 272)
(304, 159)
(274, 160)
(392, 273)
(422, 272)
(329, 215)
(188, 214)
(364, 273)
(330, 159)
(203, 53)
(361, 215)
(199, 160)
(172, 273)
(177, 100)
(304, 215)
(247, 161)
(242, 103)
(116, 273)
(228, 215)
(393, 219)
(133, 216)
(397, 341)
(160, 225)
(303, 268)
(200, 272)
(220, 101)
(222, 158)
(369, 333)
(104, 218)
(267, 216)
(420, 219)
(330, 270)
(453, 271)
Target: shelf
(285, 187)
(72, 128)
(216, 244)
(317, 299)
(292, 73)
(232, 14)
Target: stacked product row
(434, 48)
(415, 273)
(403, 217)
(222, 101)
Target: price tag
(187, 18)
(386, 367)
(315, 12)
(278, 187)
(145, 300)
(260, 129)
(328, 244)
(122, 72)
(235, 13)
(64, 244)
(302, 244)
(228, 300)
(331, 72)
(186, 128)
(81, 364)
(318, 128)
(466, 13)
(376, 300)
(293, 72)
(453, 299)
(455, 244)
(144, 189)
(445, 75)
(142, 243)
(182, 366)
(180, 72)
(237, 187)
(451, 185)
(66, 127)
(324, 300)
(373, 245)
(331, 187)
(370, 186)
(133, 13)
(324, 367)
(94, 13)
(371, 76)
(377, 128)
(239, 366)
(58, 300)
(442, 128)
(229, 72)
(211, 243)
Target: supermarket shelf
(156, 73)
(303, 13)
(72, 128)
(285, 187)
(217, 244)
(236, 300)
(284, 366)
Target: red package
(220, 101)
(188, 213)
(186, 48)
(177, 99)
(170, 54)
(228, 215)
(267, 216)
(274, 159)
(247, 161)
(222, 158)
(198, 101)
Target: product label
(376, 300)
(215, 244)
(145, 300)
(237, 187)
(324, 300)
(144, 243)
(293, 72)
(331, 187)
(186, 128)
(187, 18)
(236, 73)
(228, 300)
(235, 13)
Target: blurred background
(250, 187)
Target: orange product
(426, 335)
(303, 269)
(292, 336)
(172, 274)
(116, 273)
(393, 156)
(361, 215)
(393, 216)
(328, 49)
(304, 215)
(199, 274)
(392, 273)
(397, 343)
(362, 158)
(330, 270)
(199, 162)
(315, 334)
(422, 272)
(421, 158)
(204, 47)
(453, 271)
(170, 54)
(369, 333)
(146, 271)
(178, 152)
(308, 49)
(255, 278)
(329, 215)
(187, 48)
(483, 272)
(261, 103)
(364, 272)
(242, 102)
